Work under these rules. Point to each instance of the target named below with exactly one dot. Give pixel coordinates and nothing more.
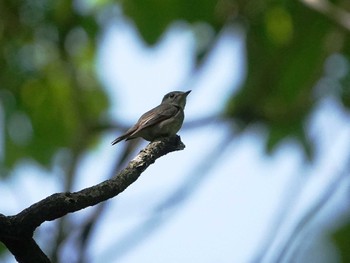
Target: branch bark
(16, 231)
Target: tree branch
(16, 231)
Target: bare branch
(16, 231)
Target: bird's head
(177, 98)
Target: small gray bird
(162, 121)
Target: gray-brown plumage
(162, 121)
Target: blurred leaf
(152, 17)
(342, 240)
(345, 81)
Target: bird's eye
(172, 95)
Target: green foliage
(342, 240)
(287, 45)
(152, 17)
(49, 93)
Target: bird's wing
(156, 115)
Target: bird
(165, 120)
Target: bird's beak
(188, 92)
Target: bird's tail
(124, 136)
(127, 135)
